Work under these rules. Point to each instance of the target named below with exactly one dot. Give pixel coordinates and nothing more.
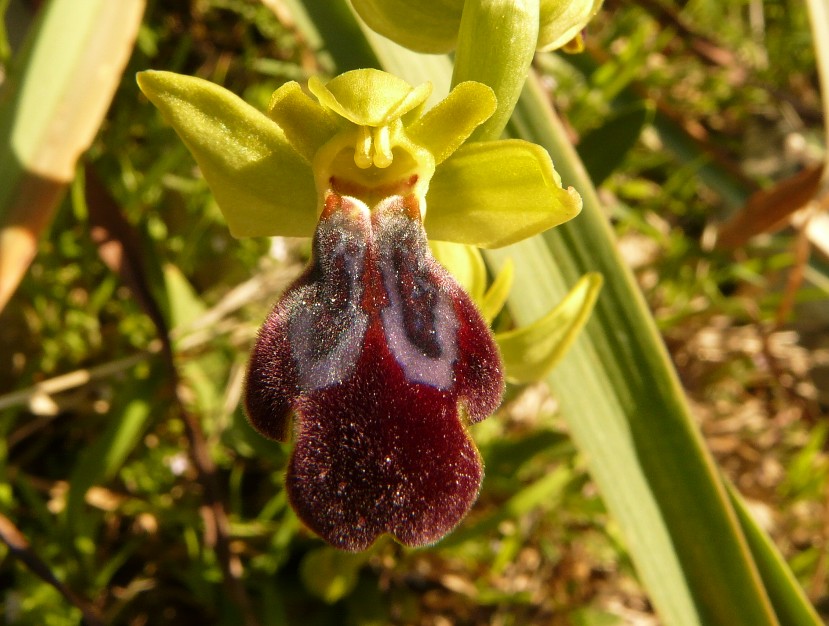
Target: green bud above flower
(494, 40)
(432, 26)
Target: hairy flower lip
(382, 358)
(410, 483)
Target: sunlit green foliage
(539, 546)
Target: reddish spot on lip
(344, 187)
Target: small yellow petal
(306, 124)
(531, 352)
(448, 124)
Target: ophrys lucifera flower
(376, 352)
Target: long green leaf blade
(788, 597)
(59, 86)
(627, 413)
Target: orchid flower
(375, 359)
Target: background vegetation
(127, 469)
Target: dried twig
(75, 379)
(20, 548)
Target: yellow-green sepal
(369, 97)
(531, 352)
(491, 194)
(262, 185)
(426, 26)
(449, 123)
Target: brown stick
(20, 548)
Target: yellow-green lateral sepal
(425, 26)
(561, 21)
(448, 124)
(369, 97)
(306, 124)
(491, 194)
(530, 352)
(261, 184)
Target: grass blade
(628, 415)
(58, 90)
(789, 600)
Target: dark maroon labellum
(382, 358)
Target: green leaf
(493, 194)
(183, 301)
(262, 185)
(790, 602)
(504, 457)
(627, 414)
(331, 574)
(56, 92)
(100, 461)
(530, 352)
(604, 148)
(546, 491)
